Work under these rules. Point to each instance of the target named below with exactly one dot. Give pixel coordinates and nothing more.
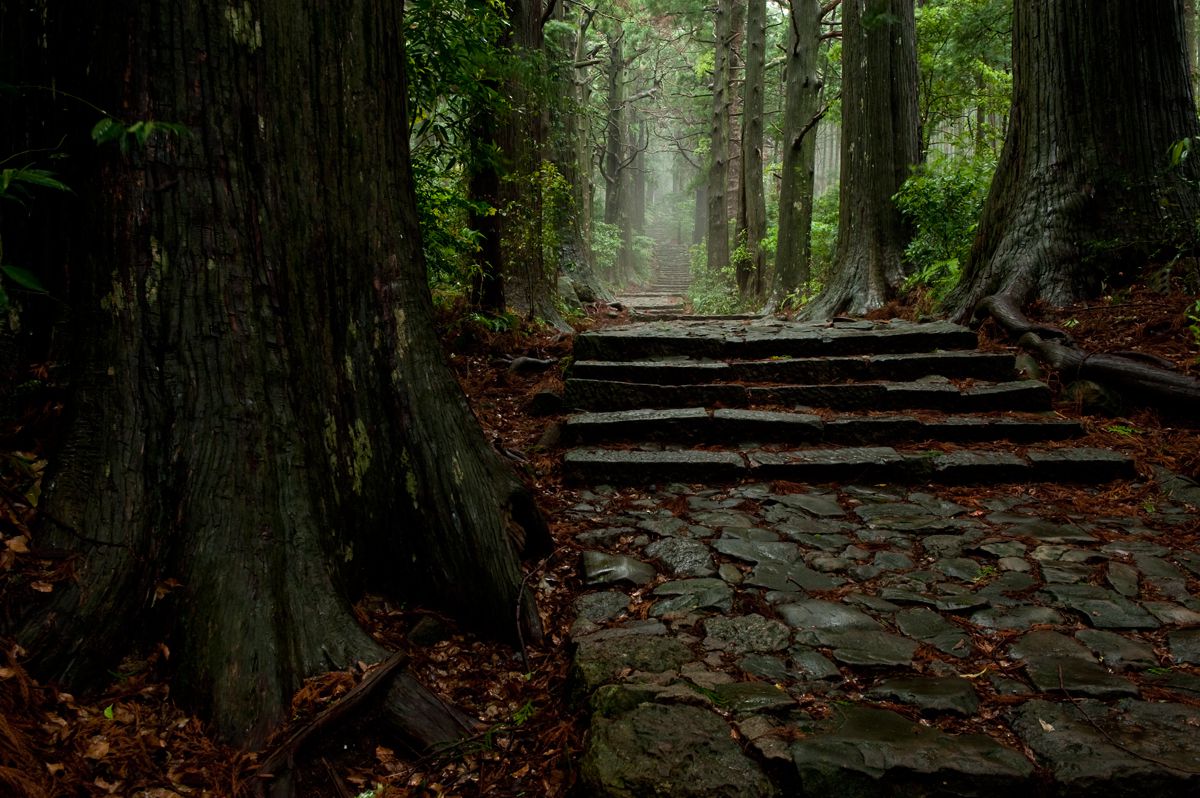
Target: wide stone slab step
(768, 337)
(995, 366)
(1020, 395)
(732, 425)
(847, 464)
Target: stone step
(698, 425)
(769, 337)
(1021, 395)
(850, 464)
(997, 366)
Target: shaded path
(850, 625)
(666, 294)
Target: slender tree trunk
(584, 164)
(1084, 190)
(802, 92)
(637, 211)
(879, 146)
(718, 171)
(483, 187)
(261, 410)
(752, 218)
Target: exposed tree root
(1137, 381)
(412, 711)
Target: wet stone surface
(882, 641)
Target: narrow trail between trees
(867, 558)
(666, 294)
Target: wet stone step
(803, 371)
(768, 337)
(849, 464)
(1022, 395)
(732, 425)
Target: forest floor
(131, 738)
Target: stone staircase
(666, 293)
(725, 399)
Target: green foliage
(1193, 317)
(443, 212)
(606, 245)
(713, 292)
(824, 235)
(1124, 430)
(17, 184)
(110, 131)
(963, 63)
(942, 200)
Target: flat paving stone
(1103, 609)
(931, 693)
(752, 697)
(601, 656)
(814, 504)
(874, 752)
(1140, 748)
(864, 646)
(602, 606)
(1185, 646)
(683, 556)
(1019, 617)
(692, 594)
(1117, 651)
(1057, 663)
(932, 629)
(668, 750)
(600, 568)
(744, 634)
(790, 577)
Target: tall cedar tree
(752, 209)
(261, 413)
(1085, 188)
(802, 88)
(879, 147)
(719, 146)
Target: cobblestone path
(831, 560)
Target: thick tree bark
(802, 90)
(879, 146)
(261, 410)
(532, 284)
(752, 213)
(1084, 189)
(718, 148)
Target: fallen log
(1135, 380)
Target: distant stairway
(667, 292)
(720, 400)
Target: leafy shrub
(712, 292)
(824, 236)
(606, 244)
(942, 200)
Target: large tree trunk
(261, 410)
(879, 146)
(718, 148)
(752, 214)
(802, 90)
(1084, 188)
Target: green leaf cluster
(942, 200)
(111, 131)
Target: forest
(288, 295)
